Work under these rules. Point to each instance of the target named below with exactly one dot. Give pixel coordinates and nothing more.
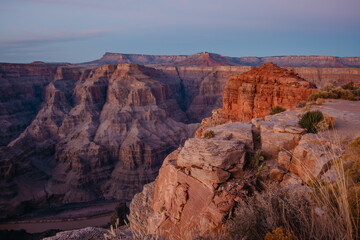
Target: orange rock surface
(253, 93)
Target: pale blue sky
(83, 30)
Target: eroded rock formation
(195, 193)
(73, 127)
(253, 93)
(190, 197)
(99, 134)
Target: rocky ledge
(200, 183)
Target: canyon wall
(98, 134)
(202, 87)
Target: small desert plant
(348, 92)
(337, 198)
(327, 123)
(301, 105)
(327, 209)
(209, 134)
(316, 95)
(349, 86)
(310, 120)
(320, 101)
(276, 109)
(280, 234)
(263, 212)
(118, 232)
(256, 161)
(328, 87)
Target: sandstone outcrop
(253, 93)
(186, 199)
(200, 183)
(190, 195)
(313, 156)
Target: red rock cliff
(253, 93)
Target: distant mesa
(38, 62)
(213, 59)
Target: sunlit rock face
(253, 93)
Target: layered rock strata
(253, 93)
(99, 134)
(187, 199)
(200, 183)
(213, 59)
(69, 117)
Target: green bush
(276, 109)
(349, 86)
(209, 134)
(310, 120)
(315, 95)
(256, 160)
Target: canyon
(101, 130)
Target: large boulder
(313, 156)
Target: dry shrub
(276, 109)
(280, 234)
(328, 87)
(320, 101)
(209, 134)
(117, 232)
(347, 92)
(265, 211)
(326, 210)
(327, 123)
(301, 104)
(337, 197)
(316, 95)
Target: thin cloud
(78, 3)
(52, 36)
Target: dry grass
(115, 233)
(323, 210)
(320, 101)
(347, 92)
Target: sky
(83, 30)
